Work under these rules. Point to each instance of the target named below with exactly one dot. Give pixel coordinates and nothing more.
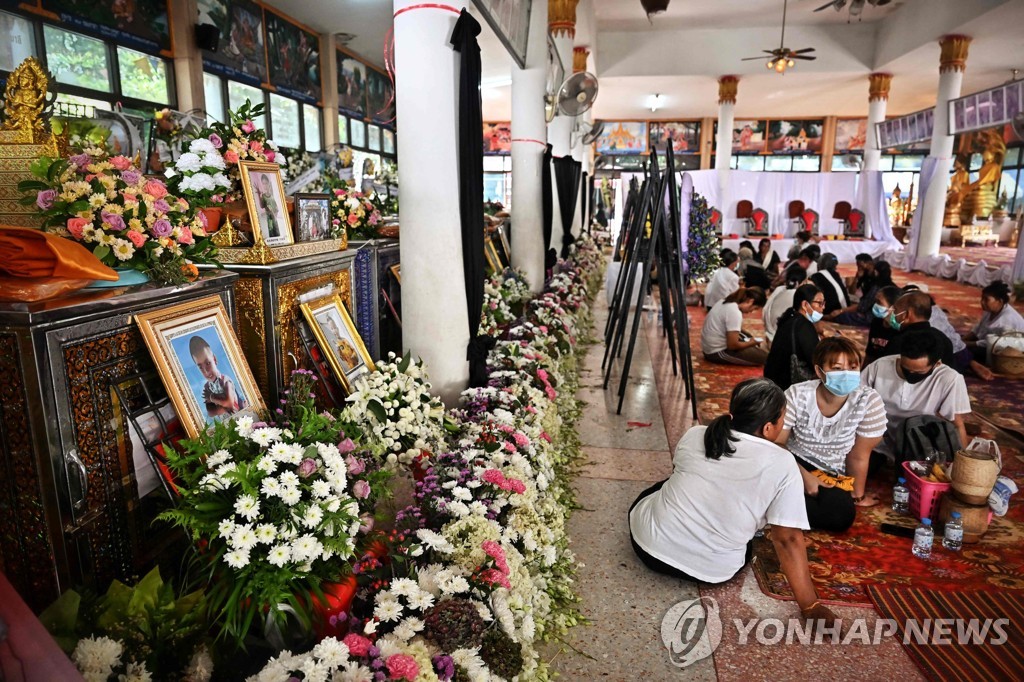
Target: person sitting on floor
(862, 280)
(722, 338)
(832, 424)
(916, 383)
(781, 300)
(752, 272)
(912, 312)
(831, 284)
(680, 526)
(962, 356)
(796, 338)
(859, 314)
(725, 280)
(806, 260)
(802, 241)
(769, 259)
(998, 318)
(881, 332)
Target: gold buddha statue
(958, 184)
(980, 196)
(24, 102)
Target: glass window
(778, 163)
(143, 76)
(284, 115)
(238, 93)
(342, 129)
(85, 103)
(311, 127)
(358, 130)
(494, 187)
(845, 162)
(74, 59)
(1012, 157)
(373, 137)
(907, 163)
(17, 41)
(388, 141)
(885, 163)
(750, 163)
(807, 163)
(494, 164)
(214, 97)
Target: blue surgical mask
(842, 382)
(815, 316)
(879, 310)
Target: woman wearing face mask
(832, 424)
(881, 331)
(796, 338)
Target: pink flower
(215, 140)
(45, 198)
(494, 477)
(76, 226)
(256, 146)
(161, 205)
(365, 523)
(402, 667)
(542, 374)
(217, 199)
(545, 436)
(516, 486)
(520, 439)
(509, 446)
(352, 219)
(121, 163)
(357, 644)
(495, 577)
(248, 127)
(155, 189)
(114, 221)
(307, 467)
(162, 228)
(361, 490)
(136, 238)
(550, 392)
(356, 466)
(270, 154)
(186, 236)
(231, 156)
(346, 446)
(374, 218)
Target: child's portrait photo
(265, 198)
(338, 339)
(210, 375)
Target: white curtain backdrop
(924, 181)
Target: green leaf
(32, 186)
(145, 594)
(377, 410)
(60, 617)
(41, 167)
(101, 251)
(404, 364)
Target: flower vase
(126, 277)
(212, 216)
(331, 616)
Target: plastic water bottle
(923, 537)
(649, 307)
(901, 497)
(953, 538)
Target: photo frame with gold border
(491, 256)
(245, 168)
(310, 311)
(157, 328)
(396, 271)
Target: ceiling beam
(922, 22)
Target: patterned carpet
(995, 256)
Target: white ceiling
(683, 51)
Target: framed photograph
(972, 112)
(312, 217)
(396, 271)
(959, 117)
(494, 264)
(338, 339)
(200, 362)
(1014, 95)
(357, 132)
(388, 141)
(984, 104)
(373, 137)
(268, 208)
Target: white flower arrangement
(199, 174)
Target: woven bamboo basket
(974, 475)
(1006, 360)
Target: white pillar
(951, 75)
(529, 133)
(560, 129)
(878, 99)
(727, 88)
(435, 323)
(562, 25)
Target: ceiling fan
(782, 58)
(856, 6)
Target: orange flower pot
(213, 216)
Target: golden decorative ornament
(251, 332)
(954, 53)
(288, 311)
(24, 101)
(579, 59)
(727, 89)
(562, 17)
(878, 86)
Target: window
(342, 129)
(18, 41)
(1011, 180)
(284, 116)
(808, 163)
(214, 90)
(84, 102)
(847, 162)
(75, 59)
(143, 76)
(778, 163)
(238, 93)
(907, 162)
(750, 163)
(311, 127)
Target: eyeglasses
(818, 304)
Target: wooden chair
(744, 212)
(758, 226)
(841, 212)
(856, 226)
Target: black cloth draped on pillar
(586, 193)
(471, 189)
(547, 208)
(567, 179)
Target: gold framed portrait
(201, 364)
(493, 259)
(338, 339)
(267, 203)
(396, 270)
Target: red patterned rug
(994, 256)
(970, 660)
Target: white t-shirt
(1007, 320)
(723, 283)
(826, 441)
(724, 317)
(708, 510)
(778, 303)
(942, 394)
(939, 320)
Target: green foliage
(703, 244)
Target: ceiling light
(771, 64)
(654, 6)
(791, 63)
(655, 102)
(780, 65)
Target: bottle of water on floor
(923, 538)
(901, 497)
(953, 538)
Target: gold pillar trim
(251, 329)
(954, 53)
(562, 17)
(878, 86)
(728, 86)
(579, 59)
(288, 310)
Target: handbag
(798, 369)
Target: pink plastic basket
(925, 496)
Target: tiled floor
(626, 602)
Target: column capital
(727, 87)
(878, 86)
(579, 59)
(562, 17)
(954, 53)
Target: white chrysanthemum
(291, 496)
(244, 538)
(421, 601)
(201, 145)
(266, 533)
(97, 655)
(217, 458)
(455, 584)
(123, 249)
(331, 651)
(237, 558)
(306, 548)
(247, 506)
(226, 528)
(270, 486)
(470, 661)
(265, 436)
(404, 587)
(189, 162)
(243, 426)
(435, 540)
(321, 489)
(313, 516)
(280, 451)
(289, 479)
(279, 555)
(135, 672)
(388, 611)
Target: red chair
(758, 225)
(842, 213)
(796, 209)
(744, 211)
(809, 220)
(716, 220)
(856, 225)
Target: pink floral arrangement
(354, 212)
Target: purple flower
(307, 468)
(346, 446)
(162, 228)
(361, 489)
(115, 221)
(160, 205)
(131, 177)
(81, 160)
(45, 199)
(356, 466)
(216, 141)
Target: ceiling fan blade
(802, 56)
(747, 59)
(806, 49)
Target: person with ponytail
(729, 480)
(796, 338)
(722, 337)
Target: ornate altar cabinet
(379, 296)
(70, 510)
(268, 310)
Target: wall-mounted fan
(782, 57)
(577, 93)
(126, 132)
(594, 133)
(586, 133)
(854, 161)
